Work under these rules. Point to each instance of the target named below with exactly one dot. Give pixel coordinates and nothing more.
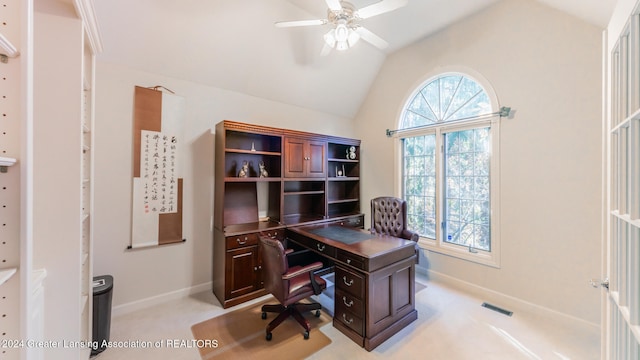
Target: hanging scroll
(157, 175)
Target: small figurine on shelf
(351, 153)
(338, 172)
(244, 171)
(253, 146)
(263, 170)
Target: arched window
(449, 167)
(446, 98)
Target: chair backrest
(388, 215)
(274, 265)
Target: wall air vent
(498, 309)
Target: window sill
(481, 257)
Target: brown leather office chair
(289, 285)
(389, 217)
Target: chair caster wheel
(317, 313)
(269, 336)
(264, 315)
(306, 335)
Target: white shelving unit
(64, 65)
(87, 200)
(10, 181)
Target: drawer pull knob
(344, 318)
(240, 242)
(344, 279)
(321, 248)
(344, 300)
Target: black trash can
(102, 293)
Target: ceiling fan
(344, 19)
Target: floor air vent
(498, 309)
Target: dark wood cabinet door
(316, 159)
(295, 158)
(242, 271)
(304, 158)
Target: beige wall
(154, 273)
(547, 67)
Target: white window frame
(438, 245)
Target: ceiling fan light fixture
(342, 37)
(342, 45)
(330, 38)
(342, 32)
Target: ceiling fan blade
(300, 23)
(380, 8)
(371, 38)
(334, 5)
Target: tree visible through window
(446, 169)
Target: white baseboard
(506, 301)
(158, 299)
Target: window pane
(431, 94)
(419, 112)
(420, 184)
(460, 98)
(467, 207)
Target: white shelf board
(7, 48)
(6, 161)
(6, 274)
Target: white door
(621, 301)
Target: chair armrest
(410, 235)
(305, 269)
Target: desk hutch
(310, 178)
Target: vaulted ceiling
(234, 45)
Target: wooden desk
(375, 279)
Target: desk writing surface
(367, 245)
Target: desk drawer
(351, 259)
(317, 246)
(350, 282)
(350, 320)
(274, 234)
(238, 241)
(347, 302)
